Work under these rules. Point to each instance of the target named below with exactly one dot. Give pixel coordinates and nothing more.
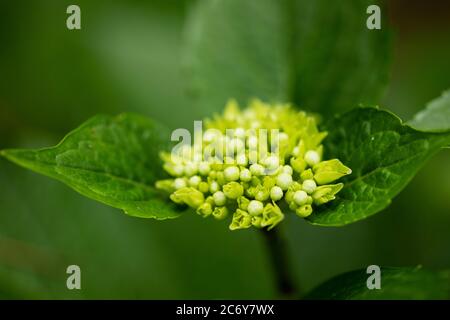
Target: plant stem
(280, 263)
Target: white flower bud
(245, 175)
(296, 151)
(194, 181)
(231, 173)
(178, 170)
(272, 162)
(300, 197)
(309, 186)
(190, 169)
(219, 198)
(213, 187)
(284, 181)
(312, 158)
(288, 169)
(179, 183)
(276, 193)
(257, 169)
(204, 168)
(255, 207)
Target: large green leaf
(317, 54)
(384, 155)
(396, 283)
(40, 237)
(435, 117)
(111, 160)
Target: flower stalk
(280, 263)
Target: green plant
(265, 49)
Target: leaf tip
(7, 154)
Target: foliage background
(127, 58)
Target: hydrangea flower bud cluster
(235, 170)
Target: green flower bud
(251, 192)
(213, 175)
(241, 220)
(269, 182)
(165, 185)
(293, 206)
(256, 221)
(189, 196)
(210, 200)
(262, 193)
(304, 211)
(328, 171)
(205, 209)
(295, 186)
(255, 181)
(221, 178)
(298, 164)
(233, 190)
(243, 203)
(307, 175)
(220, 213)
(326, 193)
(271, 216)
(174, 170)
(203, 187)
(289, 196)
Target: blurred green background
(127, 58)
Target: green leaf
(435, 117)
(396, 283)
(113, 160)
(316, 54)
(384, 156)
